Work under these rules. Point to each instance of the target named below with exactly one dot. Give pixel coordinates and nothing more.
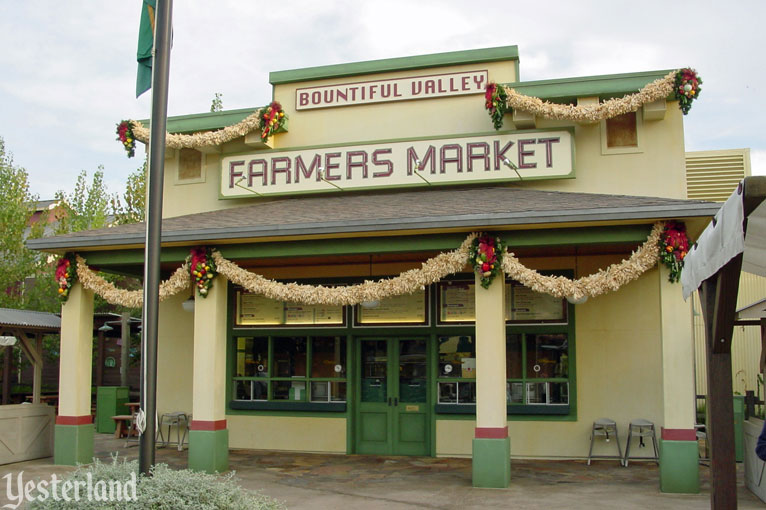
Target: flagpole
(158, 123)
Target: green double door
(393, 416)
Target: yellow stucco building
(382, 166)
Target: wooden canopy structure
(28, 327)
(734, 241)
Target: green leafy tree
(17, 206)
(132, 207)
(87, 207)
(217, 104)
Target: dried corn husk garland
(658, 89)
(432, 270)
(178, 282)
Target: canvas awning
(725, 238)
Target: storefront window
(545, 360)
(457, 368)
(291, 377)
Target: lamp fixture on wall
(418, 169)
(322, 174)
(507, 162)
(188, 305)
(239, 185)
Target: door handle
(396, 401)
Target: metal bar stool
(604, 427)
(641, 428)
(178, 419)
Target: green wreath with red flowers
(486, 257)
(272, 119)
(495, 102)
(673, 247)
(687, 88)
(126, 137)
(202, 269)
(66, 275)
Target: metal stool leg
(627, 447)
(592, 437)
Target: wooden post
(100, 359)
(125, 350)
(7, 375)
(718, 296)
(37, 381)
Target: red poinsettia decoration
(687, 88)
(202, 268)
(126, 137)
(65, 275)
(674, 245)
(495, 103)
(272, 119)
(486, 257)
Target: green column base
(209, 450)
(73, 444)
(679, 467)
(491, 463)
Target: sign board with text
(535, 154)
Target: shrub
(166, 489)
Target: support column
(491, 444)
(679, 468)
(209, 437)
(73, 441)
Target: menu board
(296, 314)
(528, 305)
(404, 309)
(457, 304)
(256, 310)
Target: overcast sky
(69, 68)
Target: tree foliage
(17, 206)
(132, 207)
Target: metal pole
(160, 75)
(125, 348)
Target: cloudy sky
(68, 68)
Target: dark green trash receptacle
(110, 401)
(739, 420)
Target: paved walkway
(353, 482)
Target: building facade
(383, 167)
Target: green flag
(145, 44)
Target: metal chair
(606, 428)
(641, 428)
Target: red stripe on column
(491, 432)
(679, 434)
(208, 425)
(74, 420)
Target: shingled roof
(468, 208)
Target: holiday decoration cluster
(476, 249)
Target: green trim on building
(452, 58)
(491, 465)
(627, 234)
(209, 450)
(73, 444)
(204, 121)
(679, 467)
(604, 86)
